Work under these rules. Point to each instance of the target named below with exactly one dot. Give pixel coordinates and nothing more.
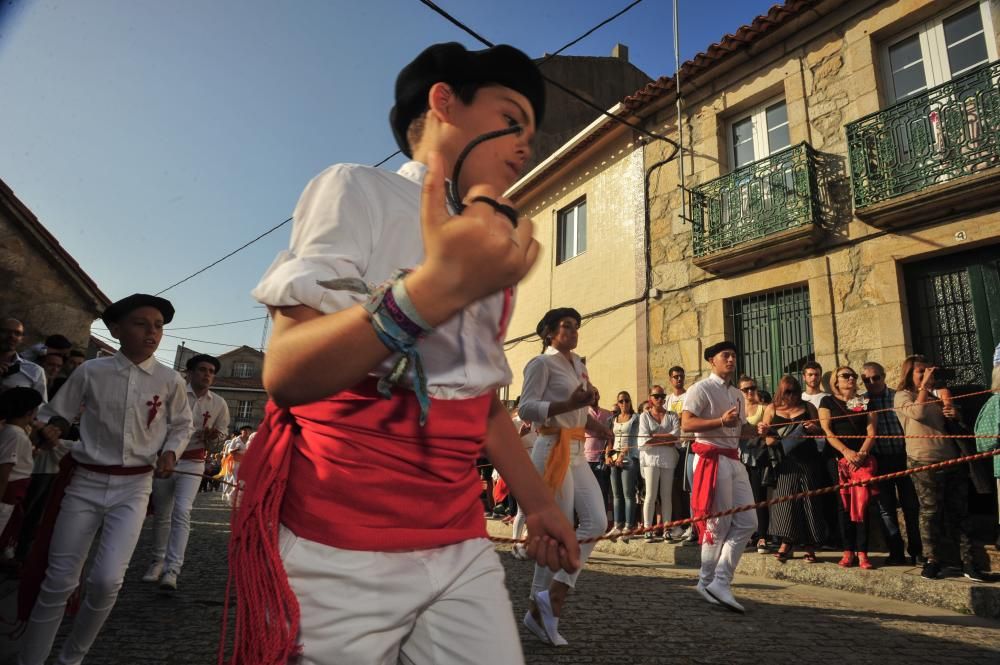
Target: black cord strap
(453, 198)
(505, 210)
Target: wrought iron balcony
(763, 209)
(943, 140)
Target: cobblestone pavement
(625, 611)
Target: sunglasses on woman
(658, 395)
(848, 376)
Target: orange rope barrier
(770, 502)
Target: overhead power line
(572, 93)
(216, 325)
(488, 43)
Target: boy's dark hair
(61, 423)
(676, 369)
(58, 343)
(465, 71)
(18, 402)
(812, 364)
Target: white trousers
(662, 478)
(442, 606)
(231, 478)
(173, 498)
(93, 500)
(729, 534)
(580, 493)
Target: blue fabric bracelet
(398, 325)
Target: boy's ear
(440, 99)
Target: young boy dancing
(359, 537)
(134, 409)
(173, 497)
(713, 411)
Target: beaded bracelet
(399, 326)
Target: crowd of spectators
(836, 428)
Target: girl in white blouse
(555, 397)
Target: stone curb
(898, 582)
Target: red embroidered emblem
(204, 419)
(154, 406)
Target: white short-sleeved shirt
(710, 398)
(47, 460)
(661, 456)
(355, 221)
(548, 378)
(15, 448)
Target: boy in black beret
(390, 395)
(134, 414)
(173, 497)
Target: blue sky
(151, 137)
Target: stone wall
(828, 74)
(38, 291)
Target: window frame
(561, 215)
(239, 367)
(239, 409)
(760, 131)
(934, 49)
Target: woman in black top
(844, 414)
(801, 469)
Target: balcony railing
(767, 197)
(950, 131)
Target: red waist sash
(353, 471)
(703, 484)
(198, 454)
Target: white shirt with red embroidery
(360, 222)
(207, 412)
(130, 412)
(710, 398)
(548, 378)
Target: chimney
(620, 51)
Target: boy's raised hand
(467, 256)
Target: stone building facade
(839, 200)
(43, 286)
(840, 196)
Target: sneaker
(676, 533)
(535, 629)
(613, 534)
(762, 547)
(153, 572)
(169, 581)
(974, 574)
(625, 536)
(688, 533)
(931, 570)
(700, 588)
(519, 552)
(550, 622)
(648, 536)
(863, 561)
(724, 595)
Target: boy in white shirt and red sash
(713, 411)
(359, 536)
(135, 414)
(173, 497)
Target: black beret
(117, 310)
(193, 361)
(719, 347)
(451, 63)
(16, 402)
(553, 317)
